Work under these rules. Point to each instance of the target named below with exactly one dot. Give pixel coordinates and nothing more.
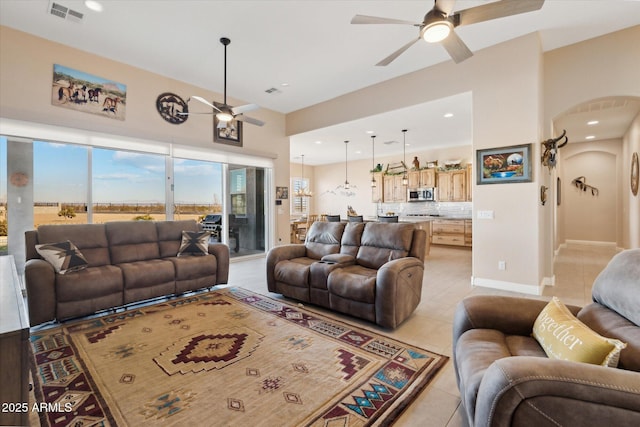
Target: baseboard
(548, 281)
(590, 243)
(507, 286)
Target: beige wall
(630, 203)
(586, 217)
(597, 68)
(26, 68)
(505, 82)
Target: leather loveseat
(368, 270)
(128, 261)
(506, 379)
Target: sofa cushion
(189, 267)
(90, 239)
(170, 235)
(384, 242)
(142, 274)
(194, 243)
(351, 238)
(89, 284)
(618, 285)
(564, 337)
(294, 271)
(323, 238)
(65, 257)
(355, 283)
(131, 241)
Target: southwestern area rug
(224, 358)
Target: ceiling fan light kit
(439, 23)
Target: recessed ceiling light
(590, 137)
(318, 142)
(93, 5)
(284, 84)
(370, 132)
(593, 122)
(358, 152)
(448, 115)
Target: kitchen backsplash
(449, 209)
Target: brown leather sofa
(368, 270)
(128, 261)
(506, 379)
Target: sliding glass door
(246, 213)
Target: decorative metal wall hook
(581, 184)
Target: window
(127, 186)
(60, 179)
(299, 204)
(197, 189)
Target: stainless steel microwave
(427, 194)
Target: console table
(14, 350)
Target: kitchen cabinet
(377, 192)
(393, 189)
(456, 232)
(422, 178)
(452, 186)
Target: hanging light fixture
(405, 178)
(373, 162)
(346, 180)
(302, 191)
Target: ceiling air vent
(272, 90)
(64, 12)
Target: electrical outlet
(502, 265)
(485, 214)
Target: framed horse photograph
(81, 91)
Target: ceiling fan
(439, 23)
(225, 113)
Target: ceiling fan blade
(386, 61)
(445, 5)
(205, 102)
(495, 10)
(244, 108)
(456, 47)
(365, 19)
(248, 119)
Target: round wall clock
(19, 179)
(634, 174)
(170, 106)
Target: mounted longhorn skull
(551, 149)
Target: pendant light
(405, 178)
(346, 180)
(373, 161)
(303, 191)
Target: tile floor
(447, 281)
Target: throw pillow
(563, 336)
(194, 243)
(65, 257)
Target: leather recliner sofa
(506, 379)
(128, 261)
(368, 270)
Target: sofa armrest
(398, 290)
(510, 315)
(280, 253)
(221, 252)
(40, 281)
(544, 391)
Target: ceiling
(309, 52)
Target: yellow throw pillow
(563, 336)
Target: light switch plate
(485, 214)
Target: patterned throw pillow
(563, 336)
(194, 243)
(65, 257)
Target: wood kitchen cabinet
(393, 189)
(377, 192)
(448, 232)
(469, 182)
(422, 178)
(452, 186)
